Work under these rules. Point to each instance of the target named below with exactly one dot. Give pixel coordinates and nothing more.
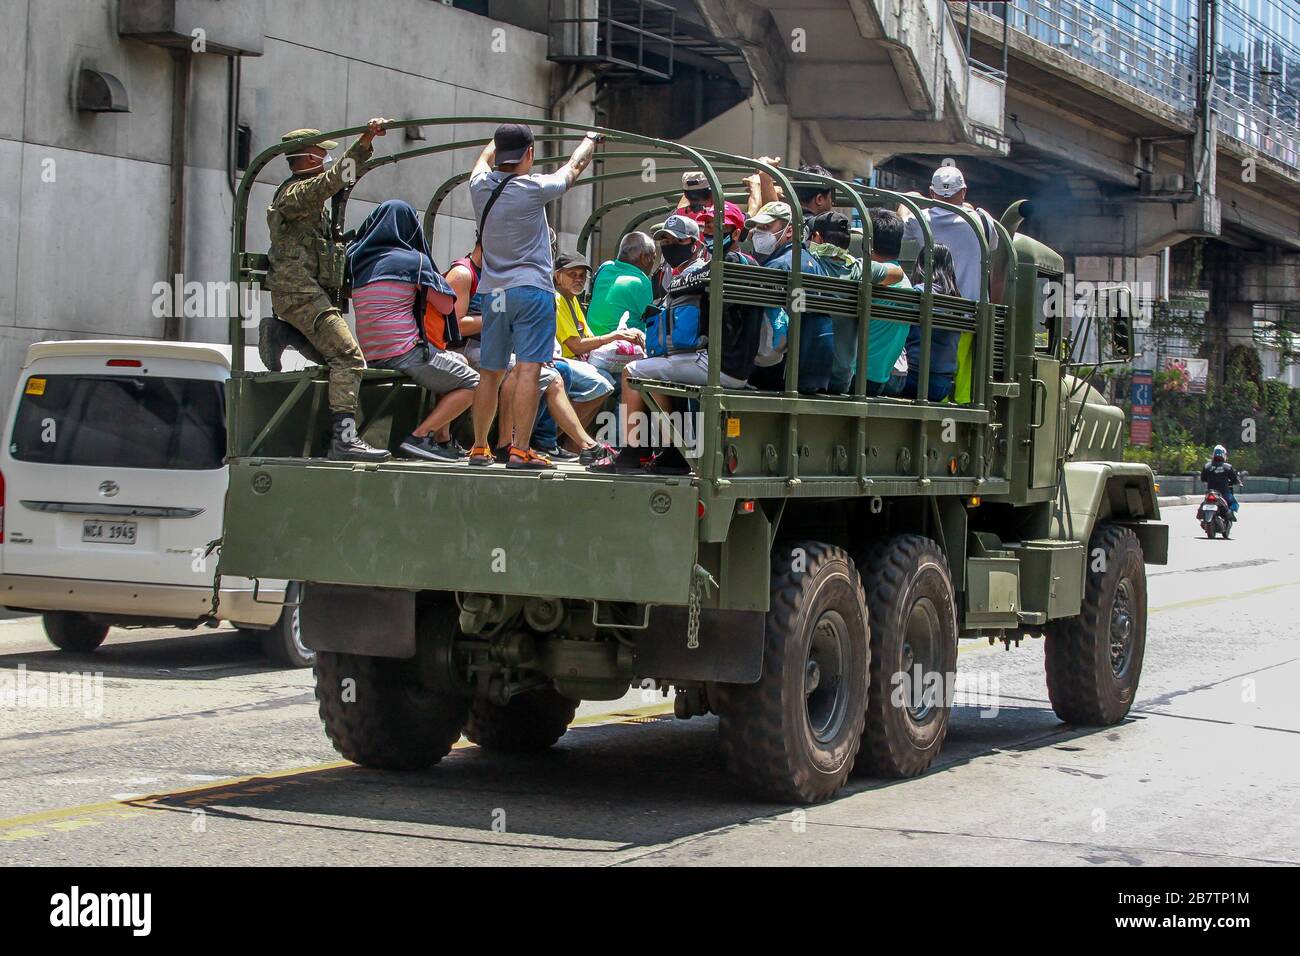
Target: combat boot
(277, 335)
(270, 343)
(346, 443)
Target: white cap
(947, 181)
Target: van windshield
(121, 421)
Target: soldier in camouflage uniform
(306, 267)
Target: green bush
(1258, 421)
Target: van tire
(532, 721)
(378, 713)
(69, 631)
(282, 642)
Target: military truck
(823, 553)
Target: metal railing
(1157, 58)
(633, 35)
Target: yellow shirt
(569, 321)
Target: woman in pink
(393, 281)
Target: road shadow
(201, 654)
(603, 789)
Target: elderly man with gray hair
(622, 287)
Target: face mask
(765, 243)
(324, 163)
(675, 254)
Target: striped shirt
(385, 316)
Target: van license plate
(108, 532)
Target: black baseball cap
(571, 260)
(512, 141)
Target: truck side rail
(792, 290)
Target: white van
(112, 487)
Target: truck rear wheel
(379, 713)
(793, 736)
(913, 655)
(532, 721)
(1094, 660)
(69, 631)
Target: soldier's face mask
(325, 160)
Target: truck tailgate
(567, 533)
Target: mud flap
(378, 622)
(730, 651)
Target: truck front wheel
(793, 736)
(1094, 660)
(531, 721)
(378, 712)
(913, 655)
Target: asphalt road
(198, 752)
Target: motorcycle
(1214, 515)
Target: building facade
(85, 195)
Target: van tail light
(2, 507)
(124, 363)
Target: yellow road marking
(1216, 598)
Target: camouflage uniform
(301, 249)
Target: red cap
(732, 216)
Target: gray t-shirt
(955, 232)
(516, 243)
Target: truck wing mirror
(1119, 313)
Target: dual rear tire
(387, 714)
(857, 665)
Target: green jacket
(302, 256)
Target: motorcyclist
(1219, 476)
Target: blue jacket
(816, 333)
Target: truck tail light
(700, 510)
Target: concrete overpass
(1095, 118)
(862, 80)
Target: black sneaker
(427, 449)
(557, 453)
(627, 461)
(597, 452)
(670, 461)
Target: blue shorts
(583, 383)
(524, 323)
(582, 380)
